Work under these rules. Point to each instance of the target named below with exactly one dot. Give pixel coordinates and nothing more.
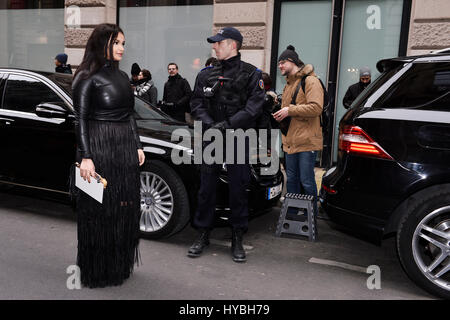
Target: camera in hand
(283, 125)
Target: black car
(37, 143)
(393, 169)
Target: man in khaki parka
(304, 137)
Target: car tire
(423, 240)
(164, 201)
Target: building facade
(336, 36)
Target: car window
(426, 87)
(143, 111)
(375, 85)
(63, 80)
(24, 94)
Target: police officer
(233, 104)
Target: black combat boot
(199, 244)
(236, 246)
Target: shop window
(163, 31)
(31, 38)
(371, 32)
(32, 4)
(306, 25)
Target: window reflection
(155, 3)
(31, 4)
(31, 38)
(24, 94)
(163, 32)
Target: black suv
(393, 170)
(37, 143)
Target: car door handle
(6, 121)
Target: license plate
(274, 191)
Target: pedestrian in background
(108, 143)
(236, 104)
(61, 64)
(355, 89)
(271, 96)
(270, 102)
(177, 94)
(304, 136)
(146, 88)
(135, 71)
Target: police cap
(226, 33)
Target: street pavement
(38, 242)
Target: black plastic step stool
(295, 224)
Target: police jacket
(239, 102)
(104, 96)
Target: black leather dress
(108, 232)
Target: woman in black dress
(108, 143)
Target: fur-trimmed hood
(305, 132)
(307, 69)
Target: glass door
(306, 25)
(371, 32)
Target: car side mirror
(50, 110)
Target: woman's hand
(141, 156)
(87, 169)
(281, 114)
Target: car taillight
(353, 140)
(329, 190)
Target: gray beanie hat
(364, 72)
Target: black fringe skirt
(108, 233)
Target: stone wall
(430, 26)
(81, 17)
(253, 18)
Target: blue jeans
(300, 173)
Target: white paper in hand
(94, 189)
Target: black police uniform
(235, 105)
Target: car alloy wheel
(157, 202)
(431, 246)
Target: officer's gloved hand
(222, 126)
(214, 74)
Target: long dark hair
(95, 55)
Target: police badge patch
(261, 84)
